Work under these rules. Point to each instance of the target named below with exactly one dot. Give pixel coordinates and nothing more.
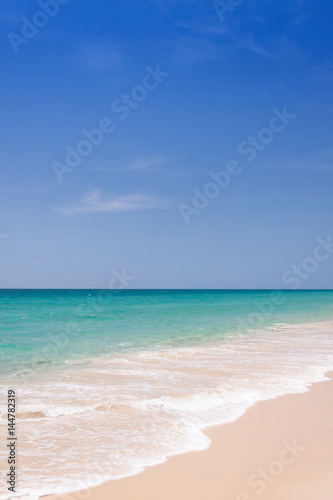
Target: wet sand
(280, 449)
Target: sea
(108, 382)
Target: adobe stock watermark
(263, 477)
(31, 27)
(293, 276)
(122, 108)
(309, 265)
(119, 281)
(250, 148)
(224, 6)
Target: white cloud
(147, 163)
(94, 203)
(249, 44)
(324, 73)
(190, 51)
(164, 5)
(210, 27)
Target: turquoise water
(49, 327)
(110, 382)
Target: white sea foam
(131, 411)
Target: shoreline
(280, 448)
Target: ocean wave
(137, 409)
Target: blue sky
(119, 208)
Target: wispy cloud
(301, 10)
(191, 50)
(164, 5)
(148, 163)
(248, 43)
(210, 27)
(324, 73)
(95, 202)
(97, 56)
(142, 163)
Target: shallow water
(109, 383)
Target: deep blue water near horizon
(46, 328)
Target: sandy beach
(280, 449)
